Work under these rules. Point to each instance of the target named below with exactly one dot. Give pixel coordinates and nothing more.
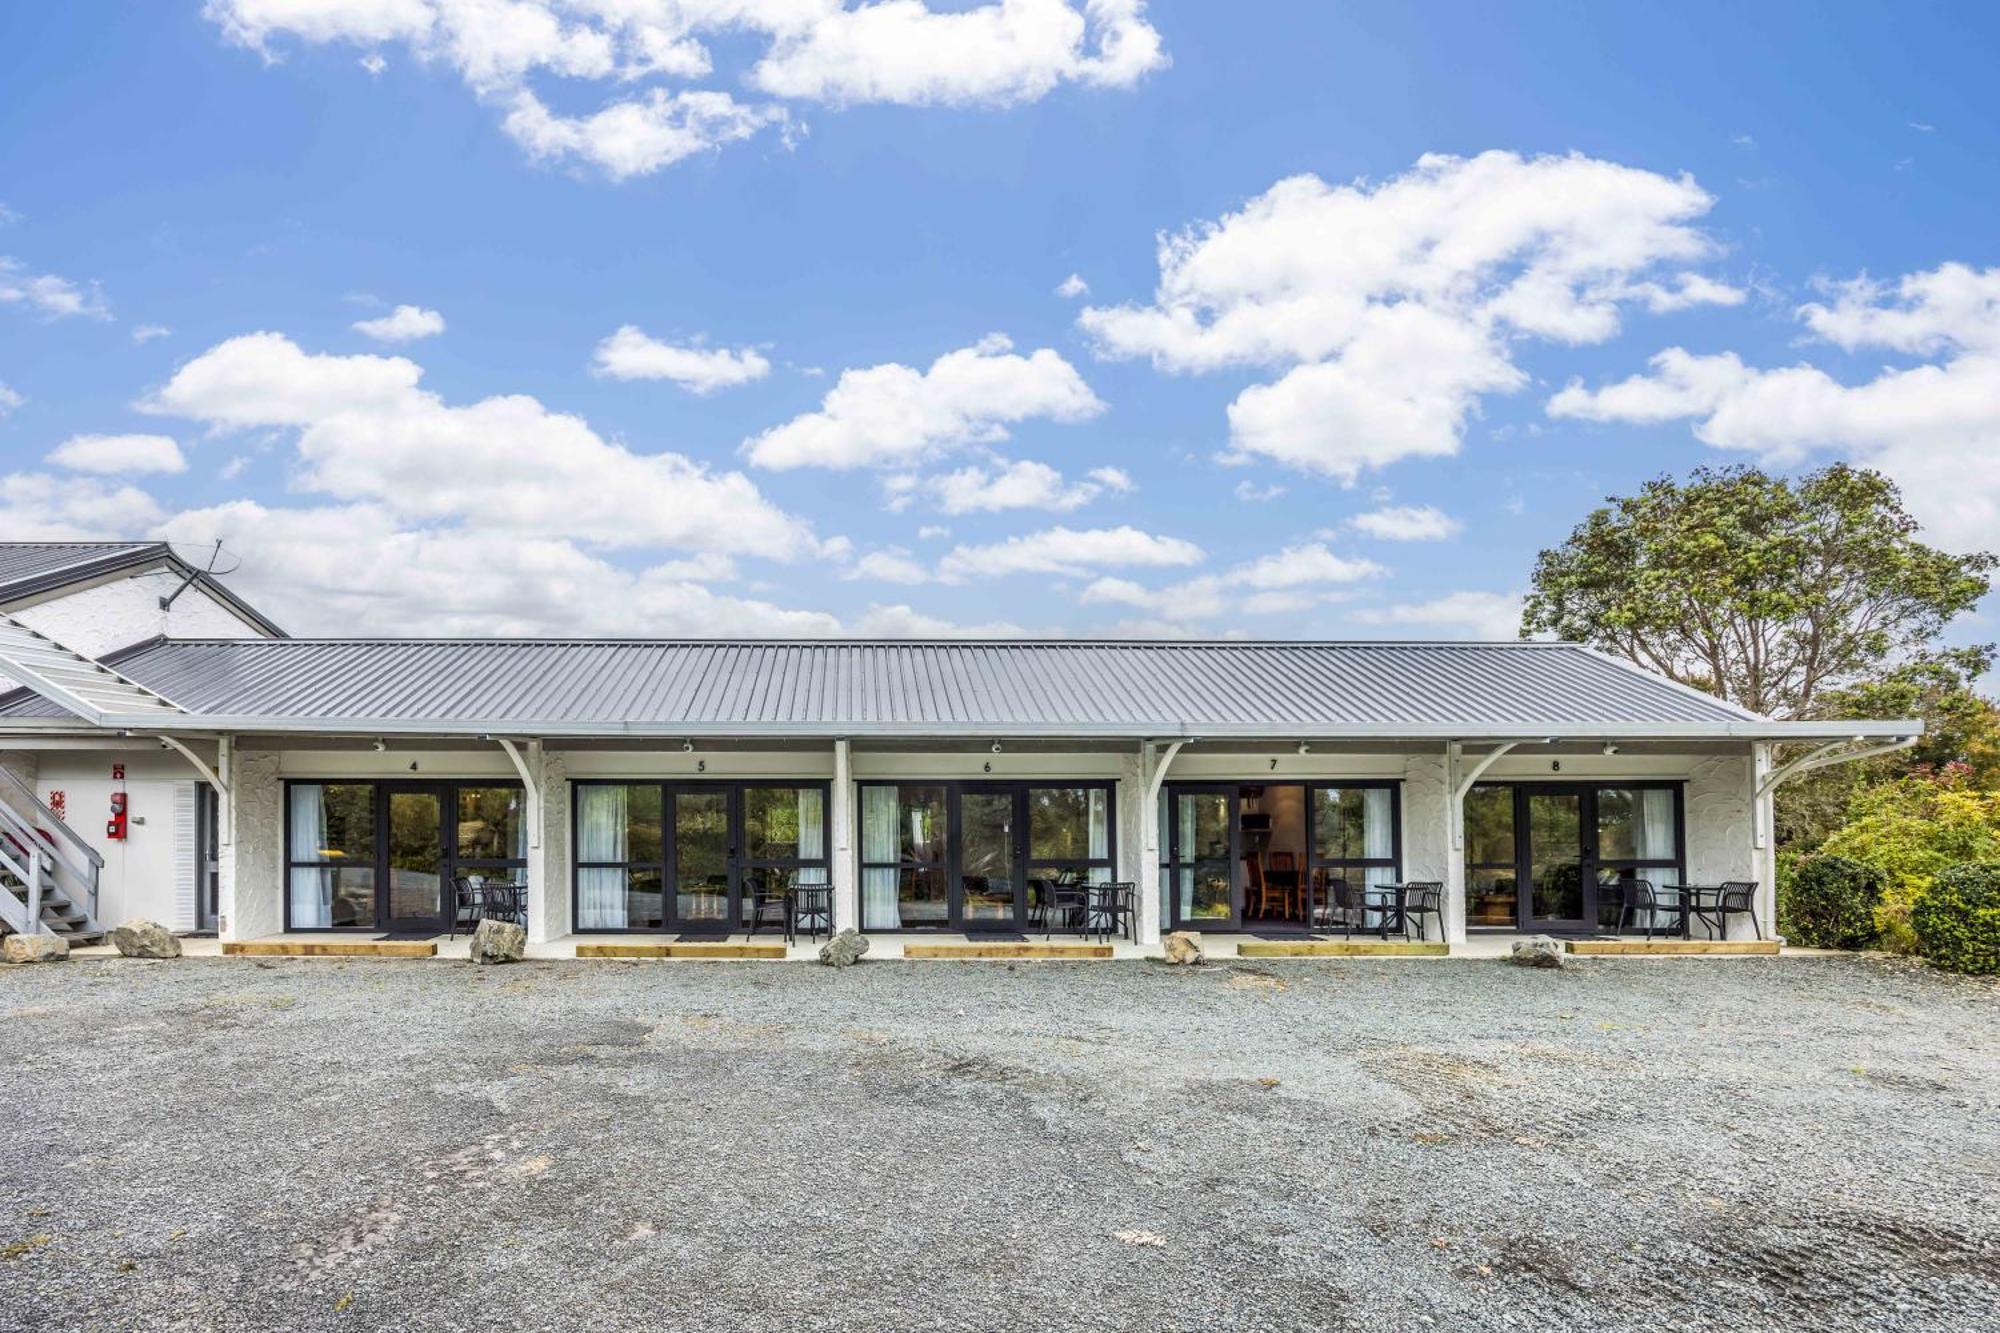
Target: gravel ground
(1796, 1143)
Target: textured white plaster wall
(549, 879)
(252, 888)
(114, 615)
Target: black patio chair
(502, 900)
(1108, 909)
(1067, 907)
(464, 904)
(1646, 903)
(1422, 898)
(1735, 897)
(770, 907)
(811, 911)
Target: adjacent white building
(679, 788)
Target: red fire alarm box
(115, 828)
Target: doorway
(1556, 857)
(207, 857)
(1273, 856)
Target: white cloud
(1407, 523)
(1013, 51)
(893, 414)
(892, 565)
(1249, 492)
(50, 295)
(639, 136)
(629, 354)
(902, 622)
(145, 333)
(1072, 287)
(35, 506)
(1018, 485)
(116, 454)
(1067, 551)
(1477, 615)
(1391, 309)
(1934, 426)
(1292, 580)
(367, 433)
(10, 398)
(404, 324)
(900, 51)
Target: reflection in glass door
(416, 857)
(701, 859)
(1203, 857)
(1555, 861)
(987, 860)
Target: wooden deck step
(1342, 949)
(1004, 949)
(330, 949)
(719, 949)
(1674, 948)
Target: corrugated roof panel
(984, 684)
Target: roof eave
(1757, 730)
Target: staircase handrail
(26, 795)
(11, 908)
(77, 881)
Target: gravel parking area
(1796, 1143)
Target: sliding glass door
(976, 856)
(694, 857)
(1204, 834)
(1561, 856)
(387, 855)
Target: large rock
(34, 949)
(1537, 951)
(844, 949)
(1183, 948)
(140, 938)
(498, 942)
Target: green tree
(1770, 592)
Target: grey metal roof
(30, 567)
(1003, 688)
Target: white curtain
(1099, 836)
(1185, 878)
(879, 907)
(1654, 841)
(1378, 839)
(812, 834)
(601, 836)
(311, 888)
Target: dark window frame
(450, 867)
(953, 866)
(739, 864)
(1587, 790)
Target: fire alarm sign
(118, 772)
(59, 805)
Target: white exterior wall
(1717, 804)
(96, 620)
(150, 873)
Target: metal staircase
(48, 875)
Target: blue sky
(1427, 265)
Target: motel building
(167, 752)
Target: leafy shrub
(1910, 830)
(1957, 919)
(1829, 902)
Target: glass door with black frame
(414, 887)
(1202, 871)
(704, 860)
(989, 861)
(1560, 896)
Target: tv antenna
(207, 569)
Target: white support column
(549, 878)
(251, 876)
(1764, 839)
(1138, 858)
(840, 815)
